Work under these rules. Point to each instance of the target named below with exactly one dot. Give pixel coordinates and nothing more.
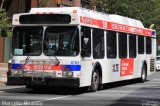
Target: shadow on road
(120, 83)
(147, 95)
(65, 90)
(46, 90)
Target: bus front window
(61, 41)
(27, 41)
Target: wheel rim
(95, 81)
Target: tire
(29, 86)
(95, 81)
(100, 87)
(34, 87)
(143, 74)
(86, 89)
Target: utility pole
(2, 4)
(93, 4)
(59, 3)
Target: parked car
(158, 62)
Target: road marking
(152, 82)
(56, 98)
(118, 91)
(129, 103)
(155, 79)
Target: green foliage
(4, 24)
(42, 3)
(3, 19)
(147, 11)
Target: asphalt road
(126, 93)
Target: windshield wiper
(26, 60)
(55, 61)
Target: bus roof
(93, 18)
(126, 20)
(91, 14)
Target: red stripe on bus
(43, 67)
(115, 26)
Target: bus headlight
(17, 72)
(24, 73)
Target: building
(21, 6)
(55, 3)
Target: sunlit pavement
(3, 75)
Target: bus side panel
(110, 70)
(138, 65)
(86, 72)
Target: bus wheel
(143, 74)
(95, 81)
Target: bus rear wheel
(95, 81)
(143, 74)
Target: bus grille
(152, 65)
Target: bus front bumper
(69, 82)
(16, 80)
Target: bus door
(86, 58)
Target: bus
(77, 47)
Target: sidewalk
(3, 75)
(2, 84)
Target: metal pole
(2, 4)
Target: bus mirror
(4, 32)
(86, 41)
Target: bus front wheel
(95, 81)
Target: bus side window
(132, 46)
(122, 45)
(98, 44)
(111, 44)
(148, 45)
(140, 44)
(86, 34)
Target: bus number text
(115, 67)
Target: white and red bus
(77, 47)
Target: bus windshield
(61, 41)
(27, 41)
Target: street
(126, 93)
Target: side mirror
(4, 32)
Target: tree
(42, 3)
(4, 23)
(146, 11)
